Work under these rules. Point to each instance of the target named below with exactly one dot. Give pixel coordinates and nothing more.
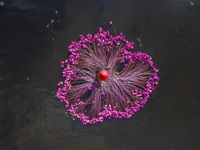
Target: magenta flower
(104, 79)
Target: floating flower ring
(104, 79)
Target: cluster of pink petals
(105, 40)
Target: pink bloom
(132, 78)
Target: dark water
(34, 35)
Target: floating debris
(2, 4)
(52, 20)
(140, 41)
(56, 12)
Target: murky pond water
(34, 36)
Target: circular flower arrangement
(103, 78)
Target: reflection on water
(34, 36)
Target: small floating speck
(192, 4)
(2, 3)
(52, 20)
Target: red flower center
(103, 75)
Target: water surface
(34, 36)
